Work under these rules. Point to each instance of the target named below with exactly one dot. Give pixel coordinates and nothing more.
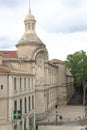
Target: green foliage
(77, 63)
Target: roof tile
(9, 54)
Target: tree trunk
(84, 92)
(84, 95)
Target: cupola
(30, 23)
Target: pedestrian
(56, 106)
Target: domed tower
(30, 42)
(30, 23)
(33, 55)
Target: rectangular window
(1, 86)
(15, 127)
(20, 125)
(21, 105)
(28, 82)
(25, 105)
(32, 83)
(25, 121)
(31, 122)
(32, 102)
(24, 82)
(14, 83)
(15, 105)
(29, 103)
(20, 83)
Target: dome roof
(30, 17)
(28, 39)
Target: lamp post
(85, 110)
(56, 115)
(61, 120)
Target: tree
(77, 63)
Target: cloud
(59, 45)
(67, 25)
(64, 19)
(11, 3)
(71, 3)
(6, 42)
(61, 24)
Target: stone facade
(52, 81)
(17, 92)
(65, 87)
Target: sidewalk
(61, 128)
(68, 113)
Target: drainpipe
(7, 98)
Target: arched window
(33, 26)
(29, 26)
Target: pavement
(73, 118)
(61, 128)
(68, 113)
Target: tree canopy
(77, 63)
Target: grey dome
(30, 17)
(28, 39)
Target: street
(61, 128)
(73, 118)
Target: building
(65, 83)
(53, 84)
(17, 93)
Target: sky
(61, 24)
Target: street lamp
(85, 110)
(56, 115)
(61, 120)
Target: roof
(9, 70)
(57, 61)
(4, 69)
(9, 54)
(28, 39)
(30, 17)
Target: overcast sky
(61, 24)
